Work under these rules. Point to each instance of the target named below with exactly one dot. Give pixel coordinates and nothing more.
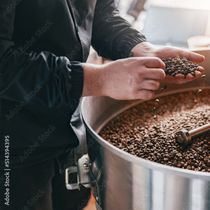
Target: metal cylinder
(126, 182)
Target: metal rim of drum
(146, 163)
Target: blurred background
(183, 23)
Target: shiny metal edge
(146, 163)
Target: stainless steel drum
(124, 182)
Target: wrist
(143, 49)
(93, 80)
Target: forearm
(93, 80)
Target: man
(43, 74)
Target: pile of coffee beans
(176, 66)
(148, 129)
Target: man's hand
(132, 78)
(146, 49)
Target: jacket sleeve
(23, 75)
(113, 37)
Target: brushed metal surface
(126, 182)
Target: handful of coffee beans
(176, 66)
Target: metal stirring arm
(185, 137)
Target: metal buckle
(82, 171)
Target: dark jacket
(42, 43)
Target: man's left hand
(146, 49)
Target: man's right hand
(125, 79)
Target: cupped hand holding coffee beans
(181, 70)
(140, 76)
(181, 65)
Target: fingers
(144, 94)
(179, 76)
(190, 77)
(147, 89)
(150, 85)
(153, 62)
(198, 73)
(168, 52)
(177, 79)
(201, 69)
(153, 74)
(181, 79)
(192, 56)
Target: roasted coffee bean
(176, 66)
(137, 132)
